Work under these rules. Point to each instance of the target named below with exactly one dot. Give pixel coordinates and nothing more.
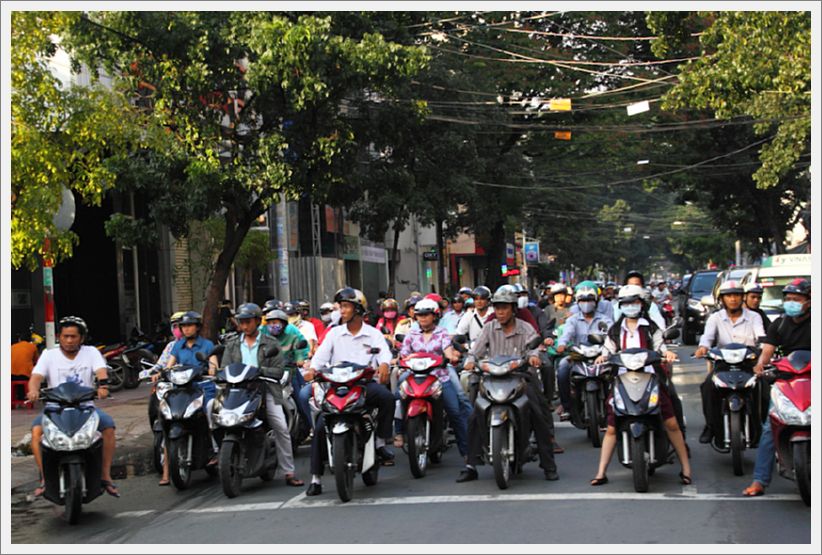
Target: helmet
(557, 288)
(519, 289)
(610, 285)
(412, 300)
(457, 299)
(798, 286)
(636, 274)
(586, 289)
(354, 296)
(434, 297)
(390, 304)
(74, 321)
(427, 306)
(271, 304)
(276, 314)
(730, 287)
(465, 291)
(631, 293)
(303, 304)
(504, 294)
(481, 292)
(327, 307)
(191, 317)
(753, 287)
(175, 318)
(247, 311)
(291, 308)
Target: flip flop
(293, 481)
(110, 488)
(164, 483)
(599, 481)
(39, 490)
(754, 490)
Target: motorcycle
(737, 388)
(158, 391)
(422, 408)
(790, 419)
(504, 406)
(115, 368)
(590, 383)
(666, 307)
(339, 392)
(642, 443)
(72, 448)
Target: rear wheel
(344, 465)
(593, 418)
(74, 493)
(231, 477)
(179, 468)
(501, 455)
(737, 443)
(417, 448)
(639, 463)
(116, 375)
(802, 469)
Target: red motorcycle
(667, 309)
(116, 369)
(791, 419)
(424, 423)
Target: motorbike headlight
(420, 364)
(181, 377)
(165, 410)
(229, 418)
(194, 406)
(733, 356)
(405, 390)
(86, 435)
(53, 437)
(497, 392)
(696, 305)
(785, 410)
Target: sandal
(685, 479)
(599, 481)
(165, 482)
(39, 490)
(754, 490)
(399, 441)
(110, 488)
(293, 481)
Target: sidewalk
(128, 408)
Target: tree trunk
(441, 263)
(495, 254)
(392, 266)
(235, 232)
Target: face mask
(390, 314)
(325, 317)
(294, 319)
(587, 307)
(177, 333)
(522, 302)
(631, 310)
(793, 308)
(275, 329)
(335, 317)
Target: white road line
(689, 493)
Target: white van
(776, 272)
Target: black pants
(538, 419)
(376, 396)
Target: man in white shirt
(352, 341)
(473, 320)
(72, 361)
(733, 324)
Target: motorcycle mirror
(301, 344)
(602, 326)
(534, 343)
(399, 337)
(272, 351)
(461, 339)
(201, 356)
(670, 333)
(596, 339)
(385, 331)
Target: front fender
(638, 429)
(340, 427)
(418, 406)
(592, 385)
(499, 415)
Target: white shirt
(340, 345)
(660, 296)
(472, 325)
(58, 369)
(719, 330)
(308, 331)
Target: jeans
(463, 398)
(765, 453)
(303, 396)
(564, 383)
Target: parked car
(690, 307)
(774, 273)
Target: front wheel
(737, 443)
(802, 469)
(501, 454)
(344, 465)
(74, 493)
(178, 462)
(593, 418)
(639, 463)
(231, 477)
(417, 445)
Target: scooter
(735, 381)
(791, 419)
(72, 448)
(158, 391)
(468, 380)
(590, 383)
(339, 392)
(424, 423)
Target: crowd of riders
(490, 323)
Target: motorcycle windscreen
(238, 396)
(239, 372)
(70, 419)
(735, 379)
(179, 399)
(501, 389)
(635, 384)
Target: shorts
(105, 423)
(666, 407)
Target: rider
(636, 278)
(250, 348)
(577, 327)
(431, 338)
(508, 335)
(733, 324)
(352, 341)
(473, 320)
(790, 333)
(405, 324)
(295, 318)
(390, 317)
(325, 315)
(661, 293)
(753, 298)
(452, 318)
(602, 306)
(305, 311)
(634, 329)
(73, 362)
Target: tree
(253, 102)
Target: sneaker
(706, 435)
(467, 475)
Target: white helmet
(427, 306)
(631, 293)
(558, 288)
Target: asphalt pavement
(436, 509)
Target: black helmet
(272, 304)
(457, 299)
(303, 304)
(798, 286)
(354, 296)
(247, 311)
(191, 317)
(291, 308)
(482, 292)
(634, 273)
(412, 300)
(74, 321)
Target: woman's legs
(678, 441)
(607, 450)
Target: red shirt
(319, 327)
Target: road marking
(689, 493)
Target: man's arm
(34, 386)
(764, 358)
(102, 374)
(708, 336)
(479, 349)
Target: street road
(435, 509)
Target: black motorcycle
(740, 401)
(72, 448)
(590, 383)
